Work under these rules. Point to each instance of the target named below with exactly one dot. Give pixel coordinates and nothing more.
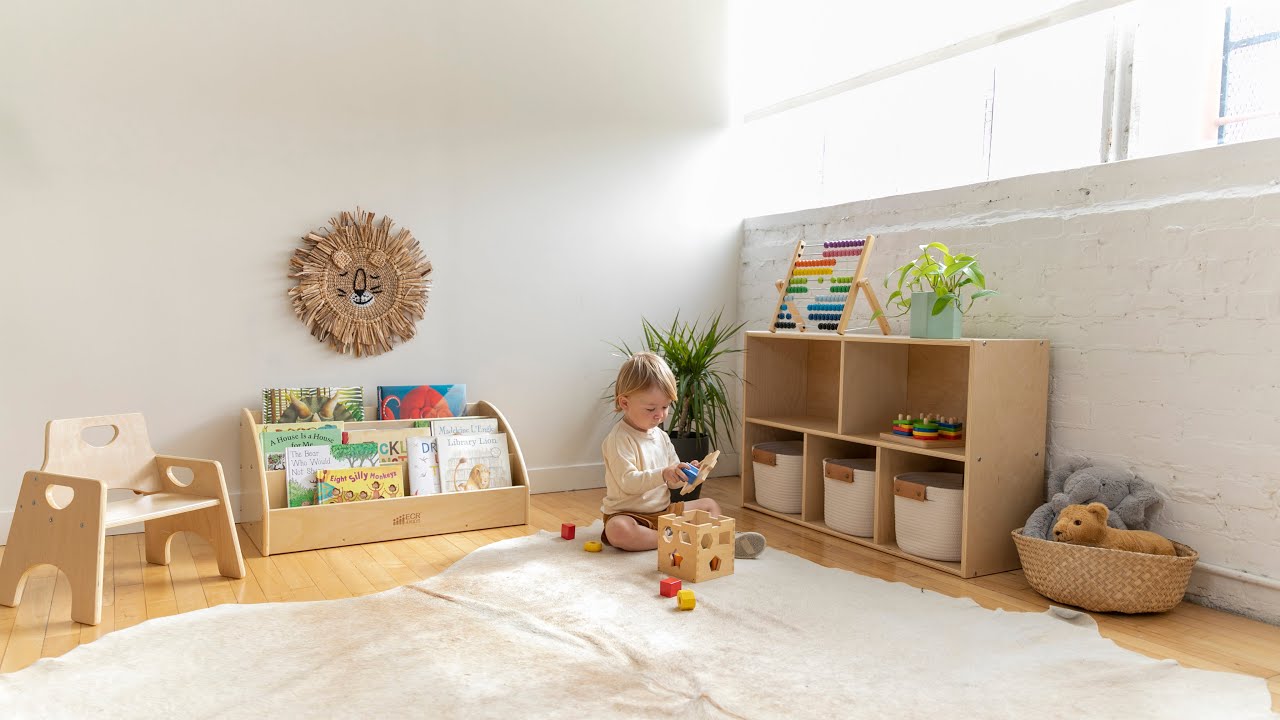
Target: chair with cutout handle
(63, 513)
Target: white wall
(559, 162)
(1157, 282)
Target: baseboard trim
(563, 478)
(566, 477)
(1254, 596)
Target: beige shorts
(649, 520)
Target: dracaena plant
(950, 277)
(694, 352)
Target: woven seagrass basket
(1105, 580)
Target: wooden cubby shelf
(837, 393)
(276, 528)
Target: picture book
(410, 402)
(275, 443)
(473, 462)
(300, 467)
(291, 405)
(358, 484)
(302, 463)
(464, 426)
(281, 427)
(424, 470)
(391, 443)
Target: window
(1248, 107)
(845, 101)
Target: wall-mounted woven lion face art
(361, 288)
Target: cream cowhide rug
(535, 627)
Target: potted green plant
(932, 287)
(702, 410)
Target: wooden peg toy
(568, 530)
(669, 587)
(685, 600)
(704, 470)
(592, 546)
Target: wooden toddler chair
(71, 534)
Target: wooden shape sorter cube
(695, 545)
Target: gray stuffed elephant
(1080, 483)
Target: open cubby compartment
(276, 528)
(881, 380)
(890, 463)
(816, 449)
(794, 380)
(754, 433)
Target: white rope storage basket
(849, 495)
(927, 512)
(778, 468)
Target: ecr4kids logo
(408, 519)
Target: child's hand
(673, 477)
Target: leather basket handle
(909, 490)
(843, 473)
(764, 456)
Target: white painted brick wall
(1158, 283)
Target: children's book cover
(282, 427)
(424, 470)
(473, 462)
(274, 444)
(291, 405)
(464, 426)
(302, 464)
(300, 467)
(410, 402)
(358, 484)
(391, 443)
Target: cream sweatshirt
(633, 464)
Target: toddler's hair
(640, 372)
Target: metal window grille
(1248, 106)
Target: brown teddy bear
(1087, 525)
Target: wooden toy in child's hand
(704, 469)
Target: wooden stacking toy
(926, 430)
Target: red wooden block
(669, 587)
(568, 530)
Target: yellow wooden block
(685, 599)
(592, 546)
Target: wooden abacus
(831, 263)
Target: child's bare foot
(748, 545)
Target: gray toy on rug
(1079, 483)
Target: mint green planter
(945, 324)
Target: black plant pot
(689, 447)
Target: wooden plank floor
(134, 591)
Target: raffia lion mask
(360, 288)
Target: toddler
(641, 465)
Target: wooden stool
(49, 528)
